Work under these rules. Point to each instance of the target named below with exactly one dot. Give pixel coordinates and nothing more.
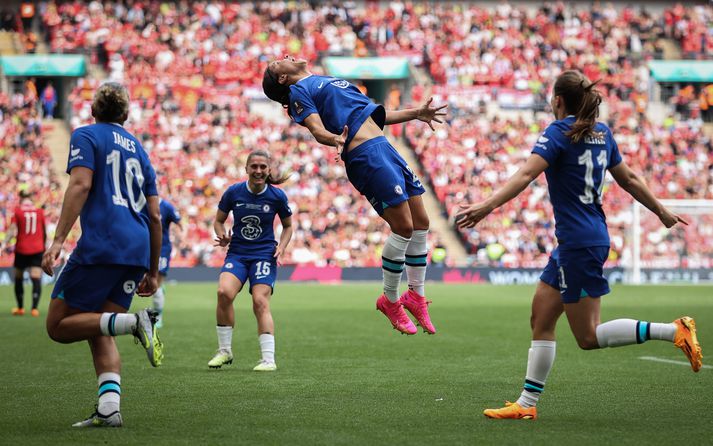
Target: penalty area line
(671, 361)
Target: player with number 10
(575, 152)
(112, 186)
(253, 254)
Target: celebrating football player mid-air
(339, 115)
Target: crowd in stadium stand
(25, 162)
(690, 26)
(193, 75)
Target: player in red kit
(28, 225)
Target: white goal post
(699, 213)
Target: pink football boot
(396, 315)
(418, 306)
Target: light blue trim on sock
(643, 326)
(530, 387)
(392, 265)
(419, 260)
(109, 386)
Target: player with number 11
(575, 152)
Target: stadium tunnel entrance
(383, 79)
(39, 71)
(61, 86)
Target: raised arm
(636, 187)
(425, 113)
(471, 214)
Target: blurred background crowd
(194, 71)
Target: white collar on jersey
(305, 77)
(116, 123)
(247, 185)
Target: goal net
(682, 254)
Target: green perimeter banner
(367, 67)
(682, 70)
(44, 65)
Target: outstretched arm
(425, 113)
(471, 214)
(637, 188)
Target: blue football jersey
(336, 101)
(254, 216)
(575, 178)
(114, 219)
(169, 215)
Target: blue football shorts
(260, 270)
(88, 287)
(379, 173)
(577, 273)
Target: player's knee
(225, 295)
(56, 334)
(422, 223)
(261, 305)
(404, 229)
(588, 342)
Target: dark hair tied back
(274, 90)
(581, 99)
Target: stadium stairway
(439, 223)
(57, 139)
(9, 43)
(671, 49)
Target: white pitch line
(671, 361)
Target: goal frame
(679, 206)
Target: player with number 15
(253, 254)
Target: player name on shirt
(124, 142)
(597, 139)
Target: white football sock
(540, 358)
(267, 347)
(115, 324)
(392, 264)
(621, 332)
(158, 300)
(225, 338)
(109, 393)
(416, 260)
(662, 331)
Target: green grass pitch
(346, 378)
